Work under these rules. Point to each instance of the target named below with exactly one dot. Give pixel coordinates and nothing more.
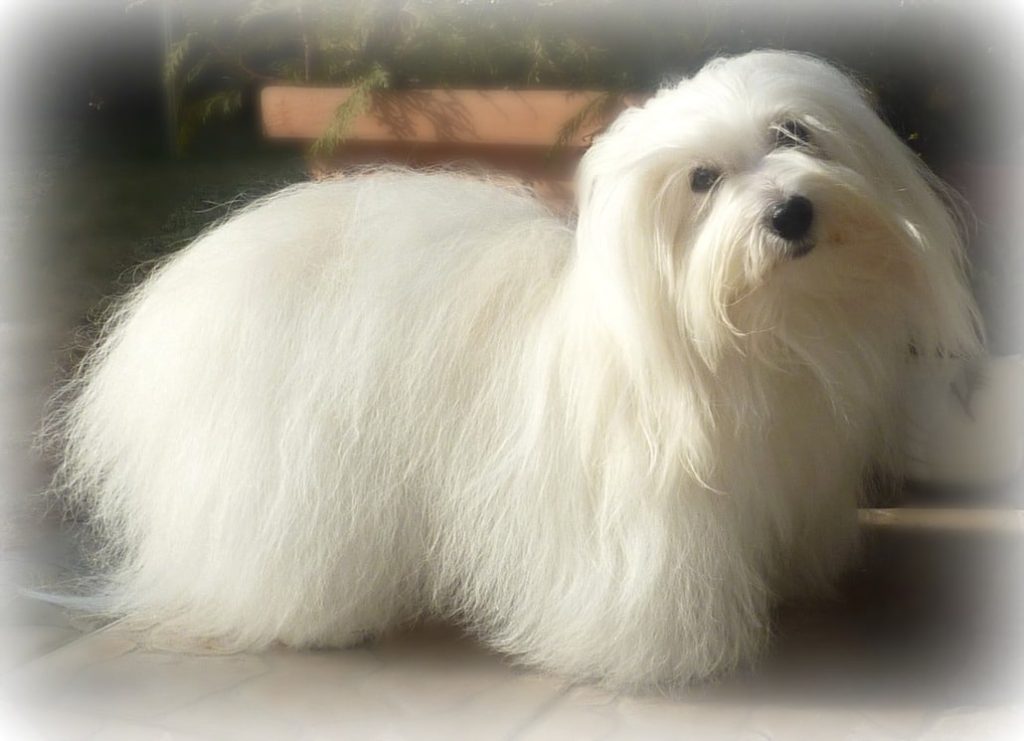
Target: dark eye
(703, 179)
(792, 134)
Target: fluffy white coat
(607, 448)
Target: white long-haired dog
(606, 449)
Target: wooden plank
(477, 117)
(945, 519)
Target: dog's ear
(624, 244)
(934, 218)
(946, 321)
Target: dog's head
(762, 204)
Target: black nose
(792, 218)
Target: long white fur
(606, 449)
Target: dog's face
(762, 203)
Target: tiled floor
(915, 649)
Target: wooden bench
(512, 131)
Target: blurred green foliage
(912, 53)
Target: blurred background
(149, 109)
(134, 124)
(131, 125)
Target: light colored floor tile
(834, 673)
(121, 731)
(978, 724)
(663, 718)
(145, 685)
(51, 671)
(583, 713)
(433, 684)
(297, 691)
(436, 671)
(901, 721)
(20, 644)
(502, 711)
(39, 720)
(837, 723)
(105, 674)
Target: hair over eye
(703, 179)
(792, 134)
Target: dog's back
(310, 347)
